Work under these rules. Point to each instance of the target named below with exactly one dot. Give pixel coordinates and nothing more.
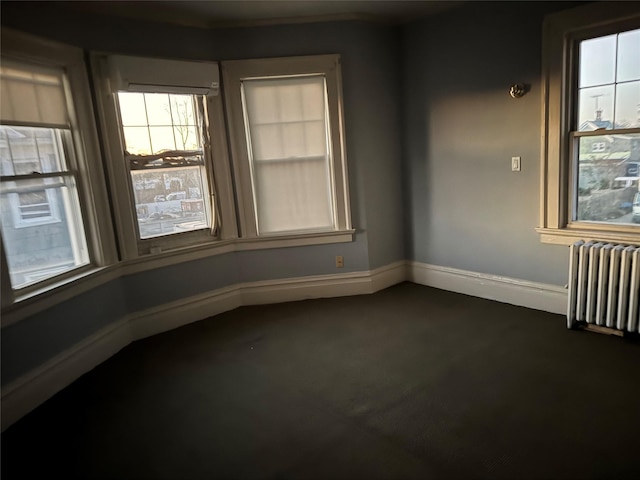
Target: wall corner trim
(538, 296)
(32, 389)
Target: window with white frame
(165, 156)
(54, 210)
(591, 124)
(163, 120)
(42, 225)
(607, 138)
(288, 144)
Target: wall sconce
(518, 90)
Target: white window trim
(91, 185)
(233, 73)
(216, 157)
(559, 32)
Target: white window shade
(139, 74)
(33, 97)
(290, 153)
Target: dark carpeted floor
(411, 382)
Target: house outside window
(591, 124)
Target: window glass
(608, 99)
(598, 61)
(42, 227)
(607, 177)
(165, 155)
(609, 82)
(628, 58)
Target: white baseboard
(538, 296)
(388, 275)
(34, 388)
(172, 315)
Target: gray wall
(464, 208)
(372, 112)
(36, 339)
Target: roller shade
(139, 74)
(32, 95)
(291, 170)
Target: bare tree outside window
(164, 149)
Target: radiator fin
(604, 285)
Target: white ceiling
(217, 13)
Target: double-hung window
(51, 179)
(288, 144)
(591, 125)
(163, 121)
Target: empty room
(320, 239)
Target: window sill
(282, 241)
(38, 300)
(187, 254)
(568, 236)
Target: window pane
(186, 137)
(290, 102)
(607, 180)
(262, 99)
(133, 112)
(137, 141)
(182, 110)
(597, 61)
(41, 229)
(154, 122)
(628, 104)
(267, 142)
(599, 57)
(595, 108)
(158, 110)
(32, 94)
(293, 195)
(313, 110)
(25, 150)
(162, 139)
(304, 139)
(629, 56)
(170, 200)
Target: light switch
(515, 164)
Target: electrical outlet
(339, 261)
(515, 164)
